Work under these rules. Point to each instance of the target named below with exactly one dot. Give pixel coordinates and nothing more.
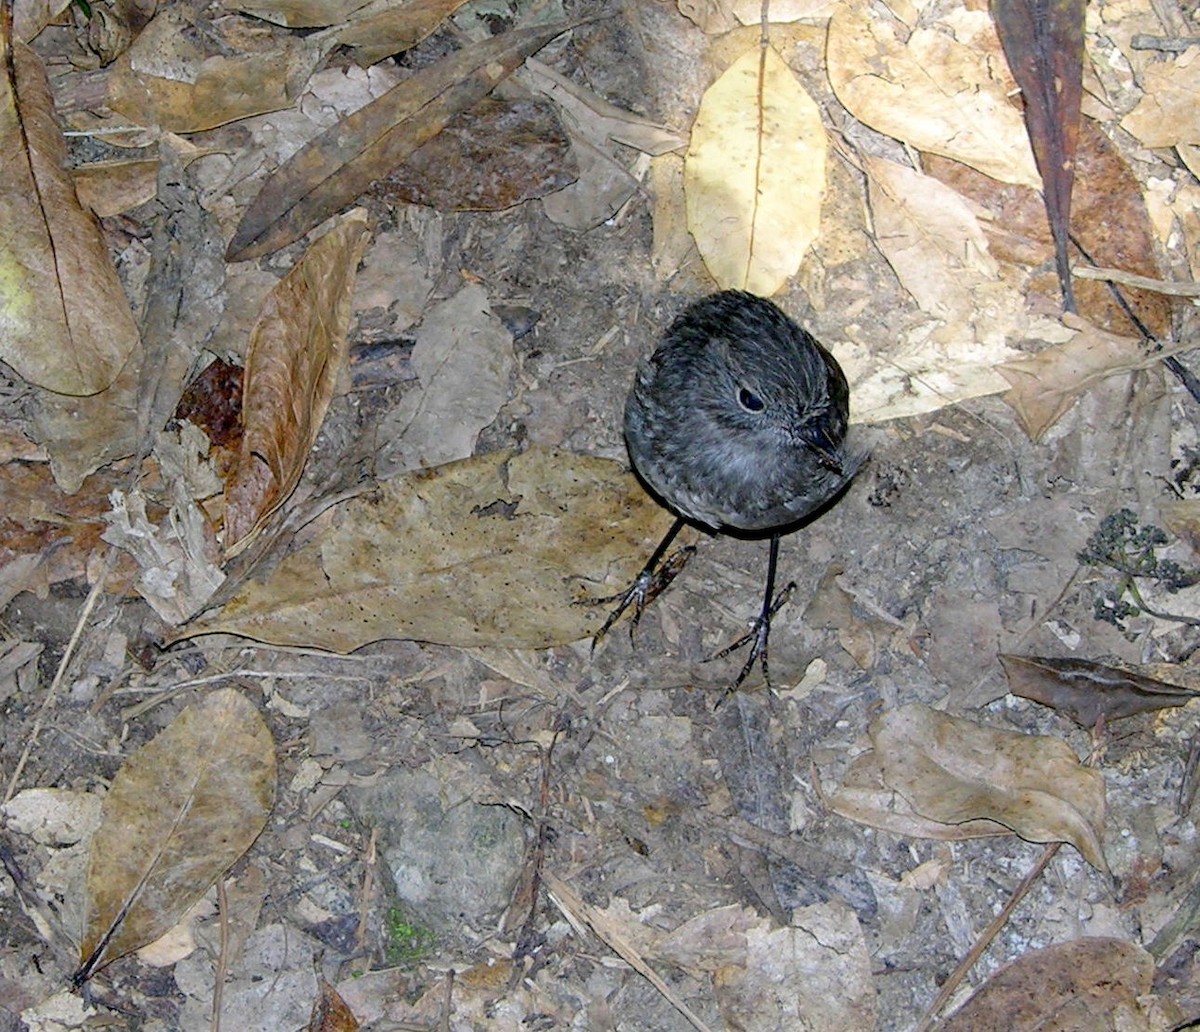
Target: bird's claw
(757, 637)
(646, 587)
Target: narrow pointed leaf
(1043, 41)
(333, 169)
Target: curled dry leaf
(333, 169)
(65, 323)
(943, 89)
(180, 811)
(754, 176)
(1086, 691)
(1095, 983)
(487, 551)
(297, 348)
(1046, 385)
(929, 769)
(167, 79)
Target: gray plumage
(738, 420)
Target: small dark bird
(737, 422)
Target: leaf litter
(498, 517)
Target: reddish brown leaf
(1043, 41)
(297, 348)
(213, 402)
(1085, 690)
(330, 1013)
(330, 171)
(1111, 222)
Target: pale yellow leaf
(943, 88)
(492, 550)
(180, 811)
(755, 174)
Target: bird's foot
(646, 587)
(757, 638)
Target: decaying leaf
(333, 169)
(1085, 690)
(297, 347)
(1046, 385)
(491, 550)
(933, 773)
(1092, 984)
(487, 158)
(169, 80)
(301, 14)
(942, 89)
(931, 239)
(755, 174)
(65, 323)
(180, 811)
(383, 28)
(330, 1012)
(464, 359)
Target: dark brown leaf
(497, 154)
(1085, 690)
(1043, 41)
(330, 171)
(330, 1013)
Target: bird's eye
(750, 401)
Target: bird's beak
(817, 440)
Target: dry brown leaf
(952, 771)
(754, 175)
(1087, 691)
(1046, 385)
(383, 27)
(167, 79)
(301, 14)
(111, 187)
(333, 169)
(930, 237)
(942, 88)
(331, 1013)
(488, 551)
(179, 812)
(1091, 984)
(65, 323)
(297, 348)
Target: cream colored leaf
(930, 237)
(755, 174)
(180, 811)
(65, 323)
(297, 347)
(492, 550)
(1169, 111)
(942, 88)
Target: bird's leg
(760, 631)
(656, 575)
